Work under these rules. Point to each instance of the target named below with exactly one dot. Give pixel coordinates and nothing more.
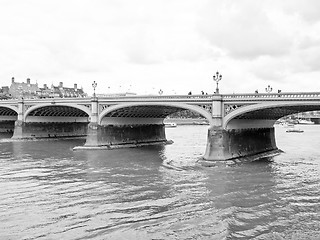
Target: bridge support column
(237, 143)
(18, 126)
(45, 129)
(93, 126)
(115, 136)
(217, 111)
(108, 135)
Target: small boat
(294, 130)
(287, 125)
(170, 124)
(304, 121)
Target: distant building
(60, 91)
(4, 93)
(29, 90)
(44, 92)
(66, 92)
(25, 90)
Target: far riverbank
(186, 121)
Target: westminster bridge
(239, 124)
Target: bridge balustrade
(158, 97)
(315, 95)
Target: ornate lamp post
(269, 89)
(94, 85)
(217, 78)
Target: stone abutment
(115, 136)
(25, 130)
(238, 143)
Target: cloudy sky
(174, 45)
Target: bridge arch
(13, 108)
(269, 112)
(160, 110)
(84, 111)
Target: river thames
(49, 191)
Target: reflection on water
(49, 191)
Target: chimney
(75, 86)
(12, 79)
(61, 84)
(28, 80)
(45, 86)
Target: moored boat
(170, 124)
(294, 130)
(304, 121)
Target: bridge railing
(224, 96)
(135, 98)
(288, 95)
(158, 97)
(205, 97)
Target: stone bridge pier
(49, 121)
(237, 138)
(136, 124)
(124, 127)
(236, 143)
(243, 125)
(115, 136)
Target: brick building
(29, 90)
(4, 93)
(25, 90)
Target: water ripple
(157, 192)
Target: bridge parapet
(282, 95)
(163, 98)
(272, 96)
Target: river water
(49, 191)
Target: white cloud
(170, 44)
(307, 10)
(244, 29)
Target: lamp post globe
(217, 78)
(269, 89)
(94, 85)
